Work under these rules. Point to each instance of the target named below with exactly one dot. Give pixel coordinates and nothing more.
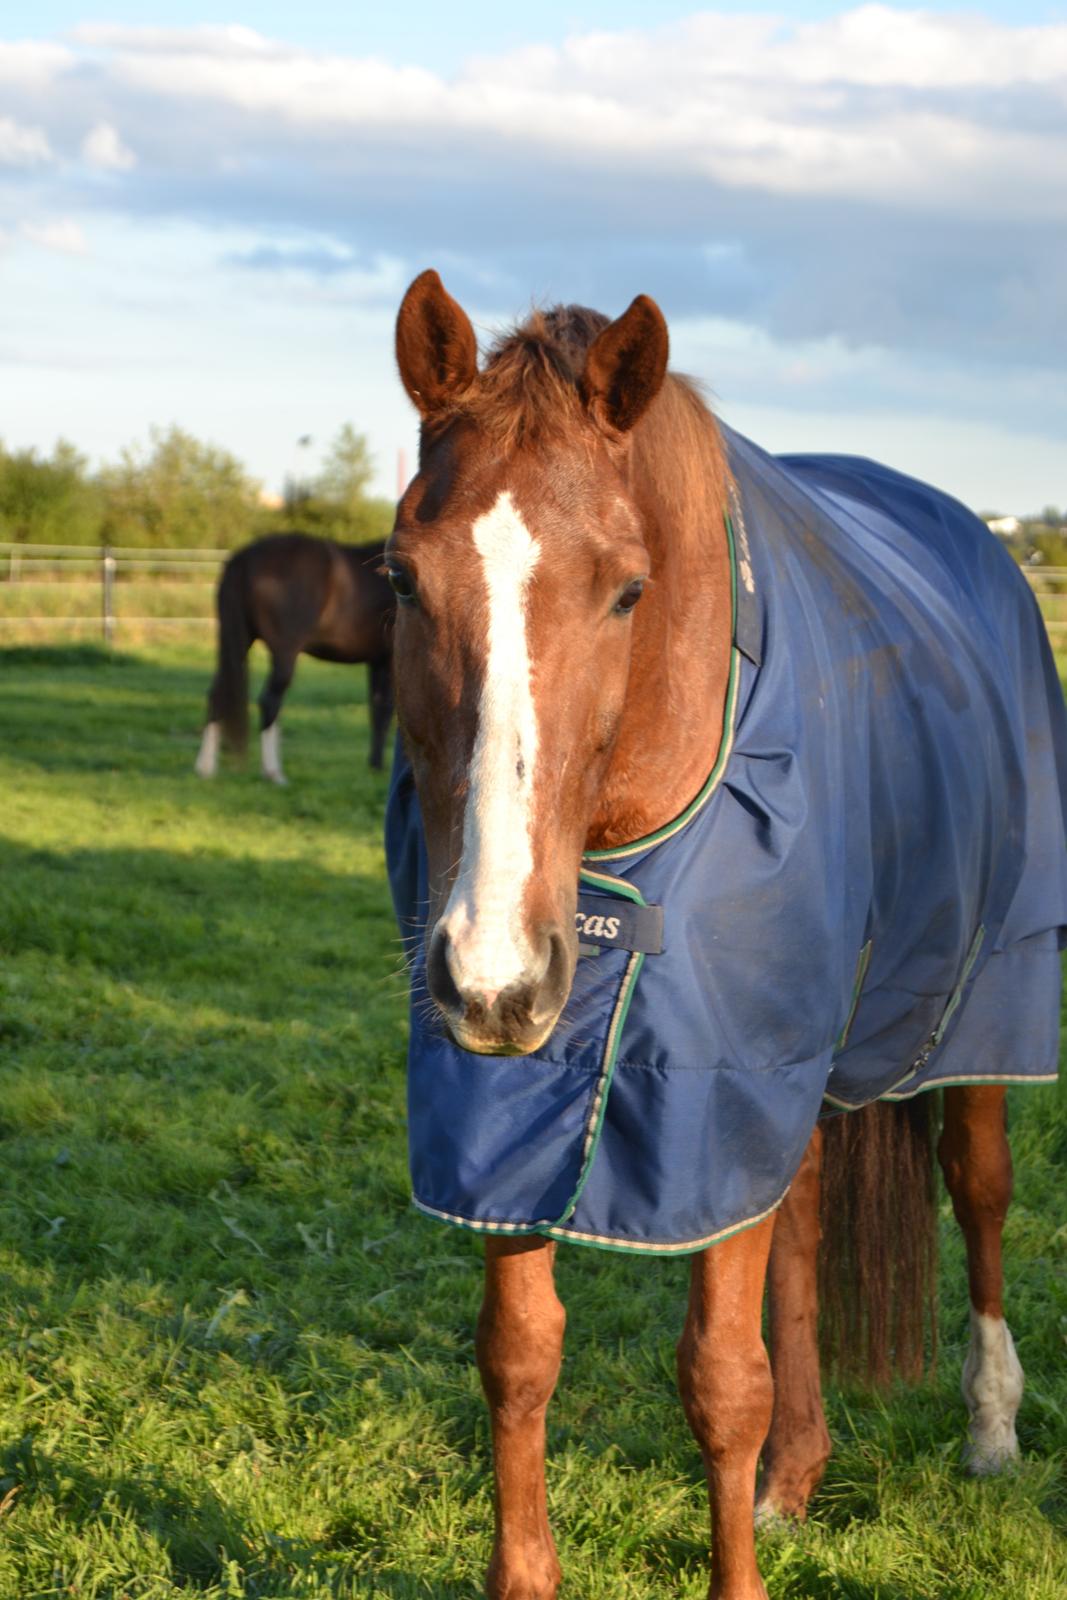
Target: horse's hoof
(769, 1514)
(538, 1579)
(985, 1461)
(277, 777)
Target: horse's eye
(401, 584)
(629, 597)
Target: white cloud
(872, 45)
(206, 39)
(875, 103)
(32, 62)
(874, 203)
(62, 234)
(102, 147)
(21, 146)
(876, 44)
(886, 175)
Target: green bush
(49, 499)
(178, 491)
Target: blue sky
(436, 35)
(855, 218)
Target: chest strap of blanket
(611, 923)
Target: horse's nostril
(439, 979)
(555, 982)
(483, 1008)
(556, 971)
(448, 987)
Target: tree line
(178, 491)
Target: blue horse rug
(866, 899)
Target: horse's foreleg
(725, 1383)
(282, 667)
(520, 1345)
(976, 1160)
(798, 1445)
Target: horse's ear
(436, 350)
(626, 364)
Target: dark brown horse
(298, 594)
(570, 708)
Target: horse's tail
(878, 1263)
(229, 691)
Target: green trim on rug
(689, 1247)
(629, 891)
(604, 881)
(858, 981)
(474, 1225)
(1004, 1079)
(957, 994)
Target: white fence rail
(85, 586)
(1050, 586)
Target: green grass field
(233, 1361)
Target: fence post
(107, 594)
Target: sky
(854, 217)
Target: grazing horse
(732, 802)
(296, 593)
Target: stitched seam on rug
(957, 993)
(479, 1225)
(606, 1242)
(862, 968)
(943, 1083)
(600, 1098)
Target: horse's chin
(478, 1042)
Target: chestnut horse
(298, 594)
(562, 669)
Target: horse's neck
(672, 722)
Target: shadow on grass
(803, 1576)
(406, 1586)
(326, 744)
(202, 1537)
(89, 663)
(809, 1579)
(59, 657)
(213, 928)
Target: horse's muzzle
(512, 1021)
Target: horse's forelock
(528, 389)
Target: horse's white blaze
(271, 753)
(483, 918)
(992, 1386)
(208, 759)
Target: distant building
(1006, 527)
